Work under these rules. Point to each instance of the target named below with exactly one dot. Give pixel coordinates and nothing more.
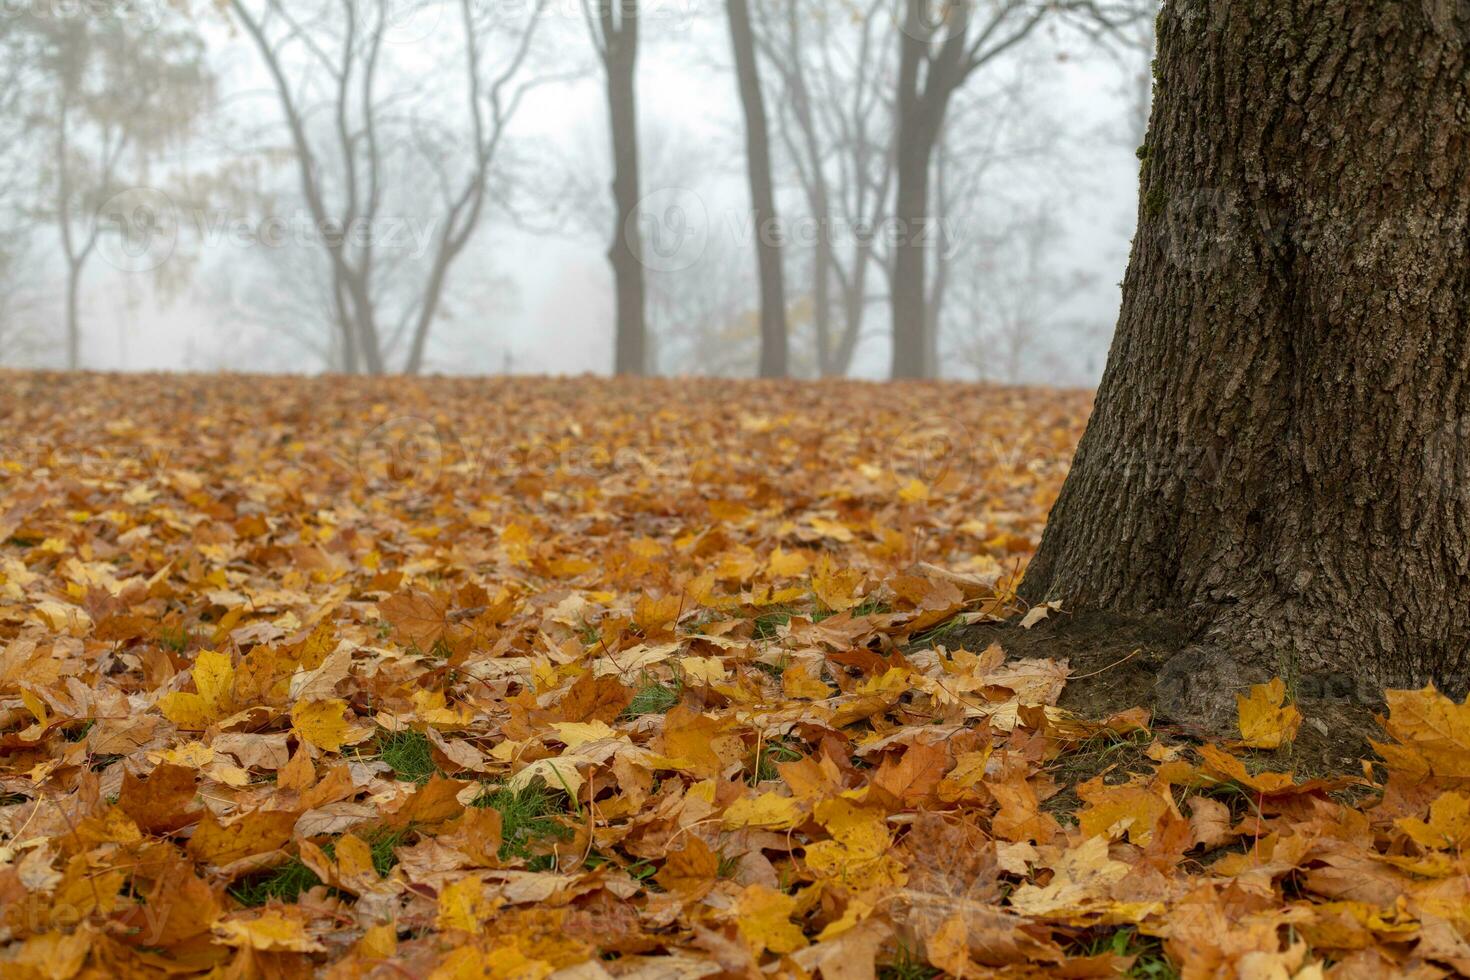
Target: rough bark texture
(773, 354)
(1280, 452)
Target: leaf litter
(582, 678)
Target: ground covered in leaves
(583, 678)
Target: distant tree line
(868, 124)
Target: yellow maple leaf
(432, 708)
(559, 773)
(797, 681)
(1448, 827)
(1082, 882)
(503, 963)
(574, 734)
(321, 723)
(702, 671)
(763, 916)
(858, 853)
(214, 678)
(379, 942)
(836, 587)
(271, 932)
(913, 492)
(1266, 720)
(463, 906)
(787, 564)
(48, 956)
(1114, 811)
(769, 811)
(257, 832)
(1433, 736)
(949, 947)
(61, 617)
(354, 857)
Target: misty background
(153, 191)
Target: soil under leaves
(581, 678)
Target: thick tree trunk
(626, 252)
(1280, 451)
(773, 355)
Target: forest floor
(582, 678)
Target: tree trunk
(626, 251)
(773, 355)
(1279, 451)
(820, 201)
(73, 317)
(916, 136)
(854, 300)
(939, 285)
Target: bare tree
(336, 62)
(833, 85)
(1012, 294)
(773, 354)
(1134, 50)
(15, 163)
(19, 305)
(613, 25)
(942, 44)
(996, 135)
(108, 92)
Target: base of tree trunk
(1188, 679)
(1280, 449)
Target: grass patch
(175, 638)
(767, 623)
(771, 754)
(408, 754)
(382, 845)
(907, 964)
(282, 884)
(526, 817)
(868, 607)
(287, 882)
(1107, 752)
(77, 732)
(654, 697)
(931, 636)
(1150, 963)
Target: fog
(461, 159)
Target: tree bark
(1279, 451)
(773, 353)
(620, 57)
